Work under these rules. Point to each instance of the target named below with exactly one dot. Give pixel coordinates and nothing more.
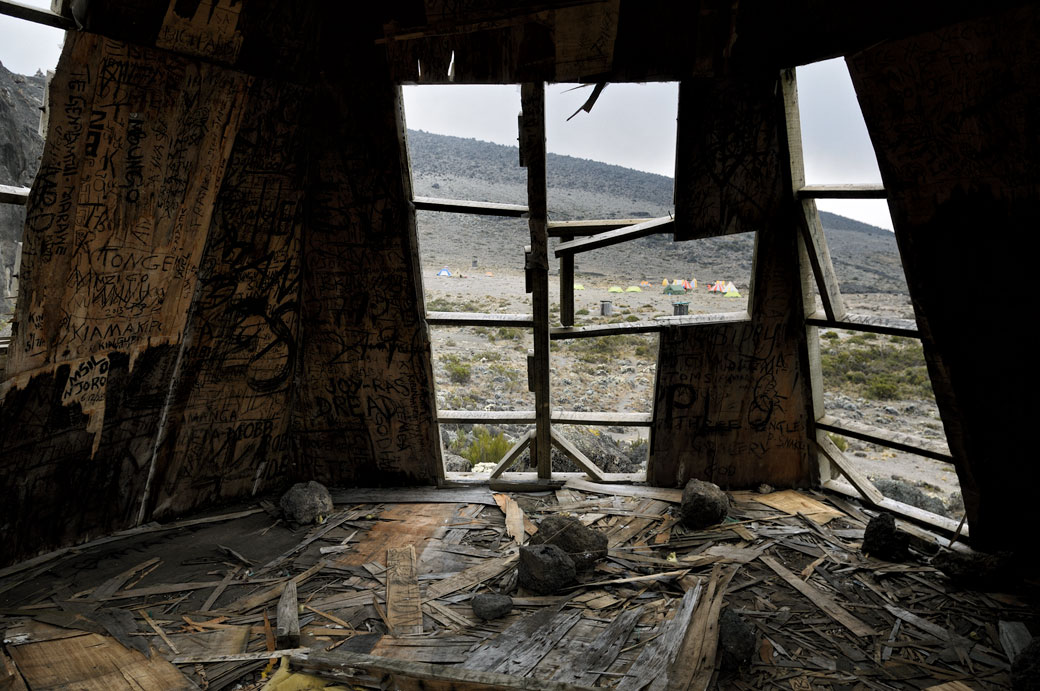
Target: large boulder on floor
(704, 504)
(882, 540)
(545, 569)
(736, 640)
(582, 544)
(491, 605)
(306, 503)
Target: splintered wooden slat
(793, 502)
(265, 595)
(825, 602)
(109, 587)
(403, 606)
(208, 604)
(10, 678)
(93, 662)
(513, 454)
(562, 229)
(514, 517)
(287, 627)
(459, 206)
(893, 440)
(577, 457)
(527, 653)
(695, 663)
(848, 469)
(659, 653)
(471, 576)
(493, 654)
(615, 237)
(406, 674)
(673, 496)
(414, 495)
(584, 666)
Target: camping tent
(444, 272)
(633, 289)
(731, 291)
(615, 289)
(578, 286)
(645, 284)
(674, 290)
(664, 282)
(687, 285)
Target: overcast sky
(631, 125)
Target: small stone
(453, 463)
(736, 640)
(882, 541)
(582, 544)
(491, 606)
(703, 504)
(306, 503)
(544, 569)
(1025, 668)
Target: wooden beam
(478, 319)
(867, 323)
(842, 192)
(561, 229)
(659, 324)
(893, 440)
(654, 226)
(513, 454)
(825, 602)
(577, 457)
(358, 667)
(847, 468)
(459, 206)
(567, 286)
(36, 15)
(907, 511)
(14, 195)
(287, 631)
(532, 150)
(558, 417)
(820, 258)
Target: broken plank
(820, 599)
(219, 589)
(673, 496)
(163, 589)
(847, 468)
(660, 652)
(204, 658)
(514, 517)
(287, 628)
(584, 666)
(654, 226)
(577, 457)
(244, 604)
(403, 605)
(414, 495)
(109, 587)
(471, 576)
(513, 455)
(491, 655)
(460, 206)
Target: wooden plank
(577, 457)
(287, 626)
(358, 667)
(514, 517)
(36, 16)
(695, 663)
(513, 455)
(650, 326)
(10, 677)
(820, 599)
(848, 468)
(109, 587)
(93, 662)
(893, 440)
(403, 605)
(820, 259)
(527, 652)
(472, 576)
(14, 195)
(563, 229)
(654, 226)
(657, 655)
(566, 417)
(913, 513)
(867, 323)
(478, 319)
(567, 286)
(532, 152)
(585, 665)
(265, 595)
(458, 206)
(842, 192)
(330, 524)
(210, 658)
(673, 496)
(793, 503)
(974, 649)
(162, 589)
(413, 495)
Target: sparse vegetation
(458, 371)
(839, 441)
(481, 446)
(876, 367)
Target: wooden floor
(383, 589)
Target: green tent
(633, 289)
(731, 291)
(615, 289)
(578, 286)
(672, 289)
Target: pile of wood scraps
(379, 596)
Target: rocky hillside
(20, 147)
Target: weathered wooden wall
(220, 289)
(953, 116)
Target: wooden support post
(574, 453)
(287, 632)
(532, 146)
(851, 473)
(512, 455)
(567, 286)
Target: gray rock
(584, 545)
(882, 541)
(306, 503)
(491, 606)
(736, 640)
(544, 569)
(703, 505)
(453, 463)
(902, 490)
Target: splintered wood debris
(379, 597)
